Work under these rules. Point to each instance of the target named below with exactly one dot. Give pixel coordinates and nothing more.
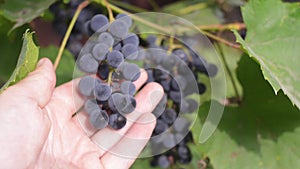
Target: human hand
(37, 130)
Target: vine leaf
(26, 62)
(263, 132)
(23, 12)
(64, 71)
(273, 39)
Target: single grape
(102, 91)
(168, 62)
(114, 98)
(130, 51)
(99, 119)
(130, 71)
(169, 140)
(74, 47)
(212, 70)
(87, 28)
(91, 105)
(118, 28)
(115, 58)
(103, 71)
(180, 53)
(160, 127)
(124, 103)
(87, 63)
(175, 96)
(86, 85)
(127, 87)
(192, 105)
(178, 82)
(106, 38)
(201, 88)
(165, 84)
(125, 18)
(151, 39)
(117, 121)
(184, 154)
(131, 38)
(99, 51)
(163, 161)
(169, 116)
(98, 21)
(181, 125)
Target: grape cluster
(108, 84)
(63, 14)
(175, 70)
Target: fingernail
(40, 63)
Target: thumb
(38, 85)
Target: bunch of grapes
(175, 70)
(108, 84)
(63, 14)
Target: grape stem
(68, 33)
(221, 27)
(192, 8)
(217, 38)
(237, 95)
(109, 79)
(110, 13)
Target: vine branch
(68, 33)
(217, 38)
(229, 72)
(110, 13)
(221, 27)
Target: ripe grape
(102, 91)
(99, 51)
(117, 121)
(125, 18)
(163, 161)
(130, 51)
(127, 87)
(86, 85)
(130, 71)
(106, 38)
(118, 28)
(115, 58)
(99, 118)
(98, 21)
(87, 63)
(91, 105)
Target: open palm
(37, 130)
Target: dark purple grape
(117, 121)
(98, 21)
(102, 91)
(99, 118)
(115, 58)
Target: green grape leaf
(8, 45)
(26, 62)
(23, 12)
(273, 39)
(64, 71)
(263, 132)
